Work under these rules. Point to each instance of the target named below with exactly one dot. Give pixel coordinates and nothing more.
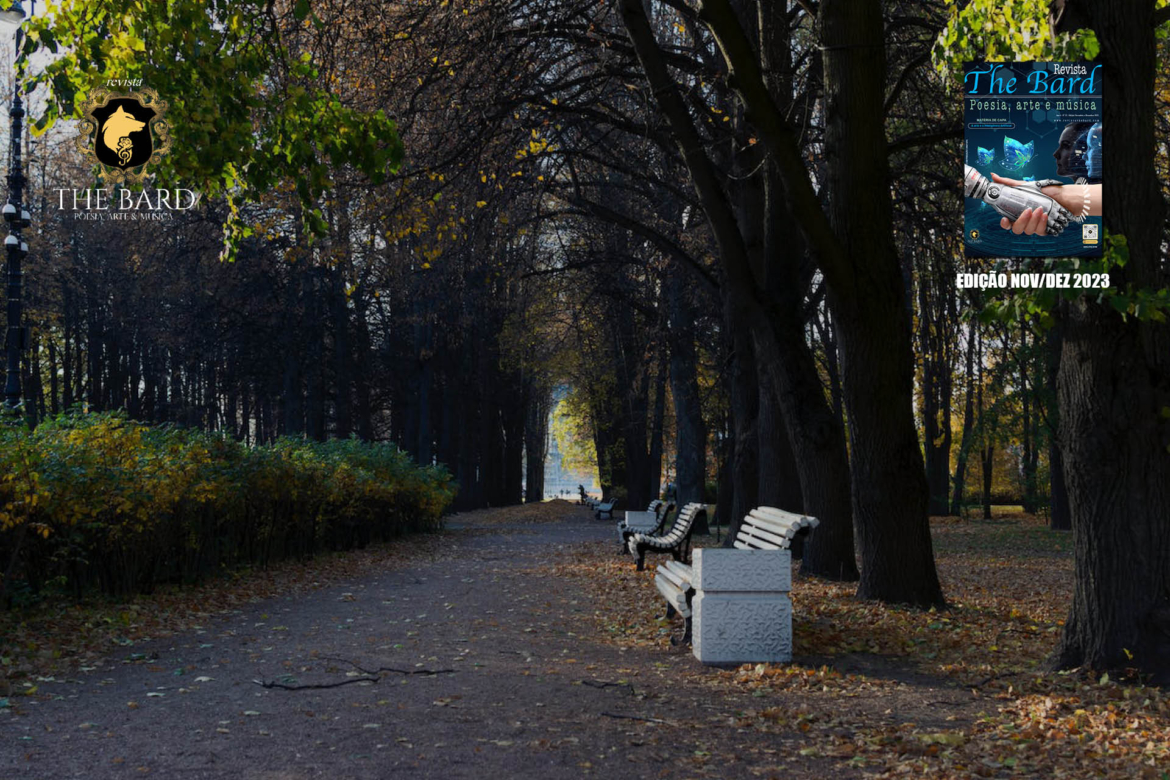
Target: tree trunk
(988, 461)
(342, 355)
(536, 443)
(779, 481)
(1114, 390)
(422, 445)
(724, 485)
(317, 308)
(292, 412)
(868, 300)
(691, 436)
(633, 388)
(658, 425)
(54, 408)
(965, 442)
(364, 405)
(1028, 403)
(744, 397)
(512, 478)
(607, 444)
(1059, 518)
(933, 342)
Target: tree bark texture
(1114, 391)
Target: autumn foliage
(99, 500)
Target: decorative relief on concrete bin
(740, 571)
(742, 612)
(736, 629)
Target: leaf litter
(956, 693)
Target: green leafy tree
(248, 109)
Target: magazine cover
(1033, 172)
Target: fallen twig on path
(603, 684)
(381, 669)
(372, 676)
(314, 686)
(633, 717)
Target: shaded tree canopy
(721, 234)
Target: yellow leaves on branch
(537, 145)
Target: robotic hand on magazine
(1046, 216)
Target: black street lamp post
(18, 219)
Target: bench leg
(670, 611)
(687, 632)
(641, 559)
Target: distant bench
(737, 599)
(650, 521)
(598, 506)
(602, 508)
(676, 541)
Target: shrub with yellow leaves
(99, 500)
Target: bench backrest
(655, 505)
(682, 523)
(662, 518)
(768, 528)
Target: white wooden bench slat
(675, 597)
(786, 530)
(673, 577)
(678, 567)
(673, 581)
(772, 512)
(758, 544)
(764, 535)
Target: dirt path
(520, 689)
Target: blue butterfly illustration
(1015, 154)
(985, 156)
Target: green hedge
(98, 500)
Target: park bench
(735, 602)
(676, 541)
(602, 508)
(650, 521)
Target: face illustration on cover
(1073, 151)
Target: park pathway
(521, 688)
